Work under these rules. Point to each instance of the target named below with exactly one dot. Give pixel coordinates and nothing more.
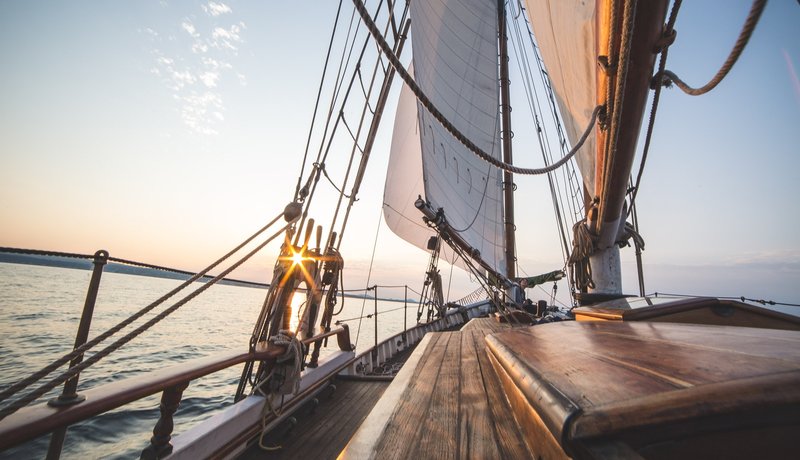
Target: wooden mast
(508, 177)
(616, 142)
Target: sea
(40, 308)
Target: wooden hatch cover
(695, 310)
(653, 390)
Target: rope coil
(582, 248)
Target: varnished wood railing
(34, 421)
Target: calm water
(40, 309)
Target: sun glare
(298, 300)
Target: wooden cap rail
(34, 421)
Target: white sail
(565, 33)
(404, 179)
(455, 65)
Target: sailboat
(616, 376)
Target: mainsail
(455, 62)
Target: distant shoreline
(114, 267)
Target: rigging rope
(322, 153)
(423, 99)
(370, 315)
(582, 248)
(668, 37)
(472, 297)
(383, 96)
(369, 275)
(316, 104)
(668, 77)
(542, 134)
(742, 298)
(35, 377)
(614, 110)
(75, 370)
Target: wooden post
(162, 433)
(376, 316)
(70, 396)
(405, 314)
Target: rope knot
(665, 41)
(605, 65)
(286, 375)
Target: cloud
(209, 79)
(189, 27)
(198, 108)
(213, 64)
(195, 61)
(216, 9)
(230, 38)
(199, 47)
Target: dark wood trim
(160, 446)
(34, 421)
(722, 312)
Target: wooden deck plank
(477, 436)
(508, 436)
(400, 436)
(333, 433)
(488, 325)
(438, 437)
(336, 419)
(452, 407)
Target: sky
(167, 132)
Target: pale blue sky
(167, 131)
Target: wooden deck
(325, 431)
(486, 325)
(447, 402)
